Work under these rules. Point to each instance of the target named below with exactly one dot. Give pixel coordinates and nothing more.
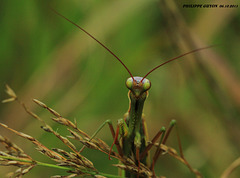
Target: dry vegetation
(75, 163)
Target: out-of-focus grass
(45, 57)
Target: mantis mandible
(132, 129)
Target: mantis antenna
(95, 40)
(193, 51)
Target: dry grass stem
(231, 168)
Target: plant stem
(56, 166)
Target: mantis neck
(135, 113)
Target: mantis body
(132, 129)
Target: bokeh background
(45, 57)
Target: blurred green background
(45, 57)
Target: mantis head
(138, 85)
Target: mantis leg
(109, 122)
(153, 141)
(163, 141)
(122, 129)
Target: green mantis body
(132, 129)
(134, 137)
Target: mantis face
(138, 86)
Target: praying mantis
(130, 137)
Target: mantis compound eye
(129, 83)
(146, 84)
